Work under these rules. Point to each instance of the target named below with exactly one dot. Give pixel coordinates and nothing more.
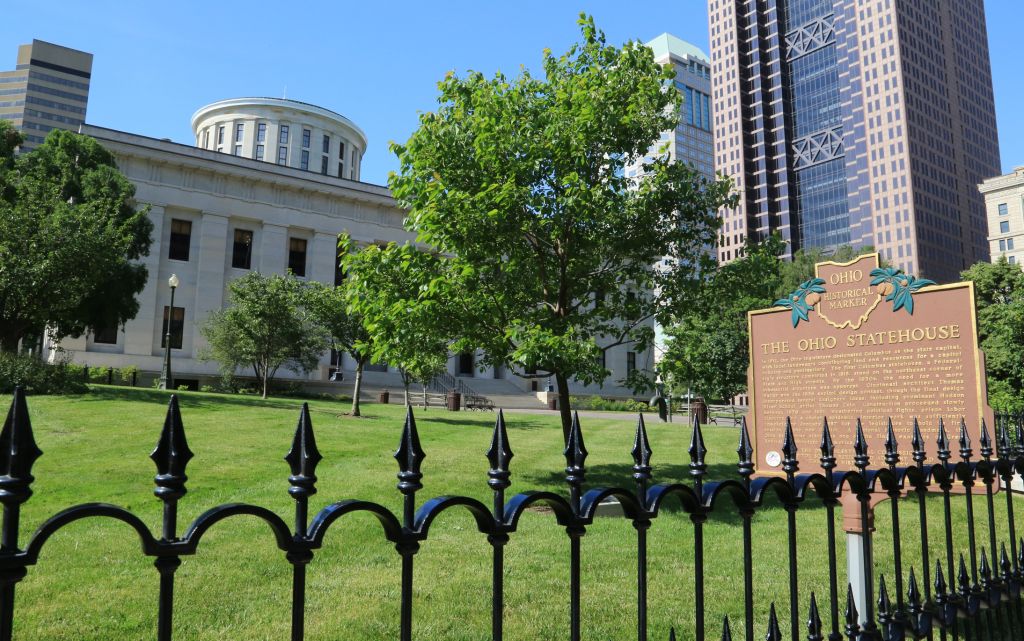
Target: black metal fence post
(302, 458)
(171, 456)
(575, 474)
(698, 467)
(499, 456)
(641, 476)
(18, 453)
(410, 457)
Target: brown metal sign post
(864, 343)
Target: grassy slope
(92, 583)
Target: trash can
(699, 409)
(384, 397)
(454, 401)
(553, 403)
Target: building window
(282, 138)
(1002, 245)
(1004, 226)
(105, 335)
(282, 155)
(261, 132)
(466, 364)
(1013, 260)
(238, 150)
(306, 134)
(297, 256)
(241, 253)
(177, 327)
(341, 151)
(323, 165)
(1009, 244)
(339, 271)
(181, 239)
(304, 164)
(341, 169)
(327, 144)
(259, 152)
(1003, 210)
(220, 135)
(239, 132)
(630, 363)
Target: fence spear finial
(985, 571)
(303, 457)
(575, 458)
(774, 633)
(942, 442)
(18, 452)
(918, 444)
(892, 447)
(171, 455)
(965, 441)
(884, 603)
(963, 579)
(697, 450)
(745, 451)
(641, 453)
(914, 594)
(1003, 437)
(860, 449)
(852, 616)
(499, 455)
(790, 465)
(726, 632)
(985, 441)
(827, 447)
(814, 621)
(940, 584)
(1005, 566)
(410, 457)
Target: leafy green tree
(797, 271)
(345, 330)
(388, 287)
(999, 296)
(545, 250)
(70, 240)
(267, 325)
(707, 348)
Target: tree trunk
(266, 380)
(356, 388)
(424, 396)
(563, 405)
(408, 402)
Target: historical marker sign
(859, 341)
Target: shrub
(38, 377)
(127, 373)
(608, 405)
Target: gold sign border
(978, 370)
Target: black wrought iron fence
(976, 598)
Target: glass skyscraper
(863, 122)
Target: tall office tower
(48, 89)
(863, 122)
(691, 140)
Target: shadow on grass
(200, 399)
(485, 421)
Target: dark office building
(863, 122)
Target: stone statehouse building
(268, 186)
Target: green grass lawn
(93, 583)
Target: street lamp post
(166, 380)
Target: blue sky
(376, 62)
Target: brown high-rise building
(862, 122)
(48, 89)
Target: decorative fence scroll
(976, 597)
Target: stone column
(273, 249)
(325, 252)
(139, 332)
(209, 292)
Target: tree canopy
(545, 250)
(999, 296)
(266, 325)
(70, 239)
